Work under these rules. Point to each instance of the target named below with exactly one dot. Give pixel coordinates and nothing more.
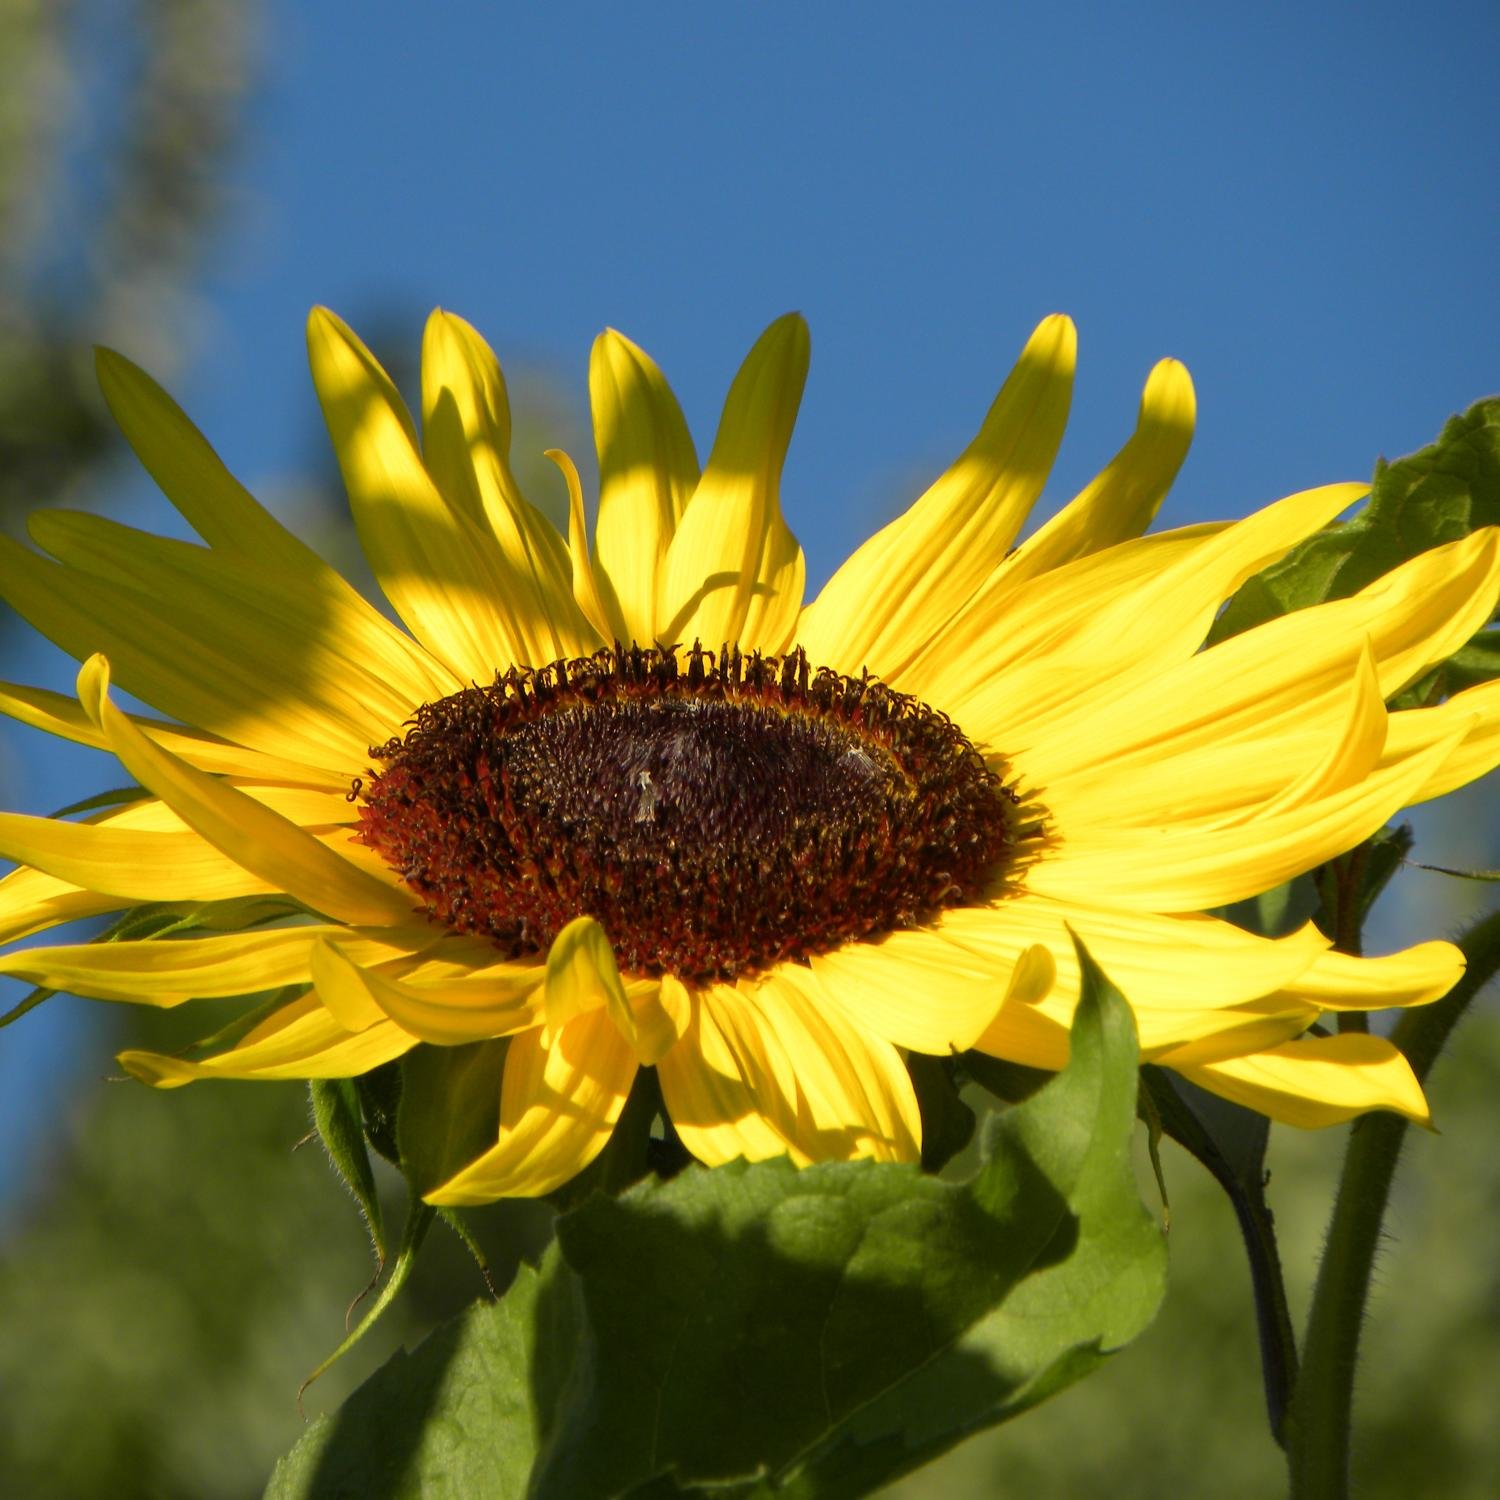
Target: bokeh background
(1298, 201)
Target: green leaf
(825, 1329)
(449, 1109)
(450, 1421)
(1436, 495)
(335, 1107)
(1071, 1311)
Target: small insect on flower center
(716, 812)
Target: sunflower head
(629, 800)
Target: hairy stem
(1318, 1425)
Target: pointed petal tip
(1054, 339)
(92, 685)
(788, 338)
(111, 364)
(154, 1069)
(610, 340)
(1169, 399)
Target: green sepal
(452, 1419)
(1486, 876)
(448, 1112)
(1009, 1082)
(1442, 493)
(169, 919)
(1230, 1141)
(379, 1093)
(419, 1217)
(455, 1221)
(233, 1030)
(336, 1116)
(30, 1003)
(947, 1122)
(1477, 662)
(1350, 885)
(117, 797)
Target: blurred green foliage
(116, 123)
(183, 1261)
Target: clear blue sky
(1300, 202)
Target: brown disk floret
(717, 813)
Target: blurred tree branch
(116, 121)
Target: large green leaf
(1439, 494)
(750, 1328)
(452, 1420)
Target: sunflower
(636, 805)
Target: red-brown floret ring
(717, 812)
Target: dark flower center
(716, 812)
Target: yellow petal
(662, 1011)
(1239, 778)
(217, 642)
(1191, 868)
(733, 571)
(602, 613)
(1134, 635)
(497, 1002)
(301, 1040)
(854, 1097)
(55, 714)
(1181, 975)
(907, 582)
(192, 476)
(1286, 680)
(1317, 1080)
(1183, 961)
(253, 835)
(31, 900)
(1414, 976)
(466, 445)
(789, 1052)
(1020, 1031)
(168, 973)
(126, 865)
(917, 989)
(229, 518)
(1002, 628)
(1122, 502)
(581, 976)
(558, 1106)
(434, 564)
(648, 470)
(703, 1086)
(1474, 714)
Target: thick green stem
(1318, 1427)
